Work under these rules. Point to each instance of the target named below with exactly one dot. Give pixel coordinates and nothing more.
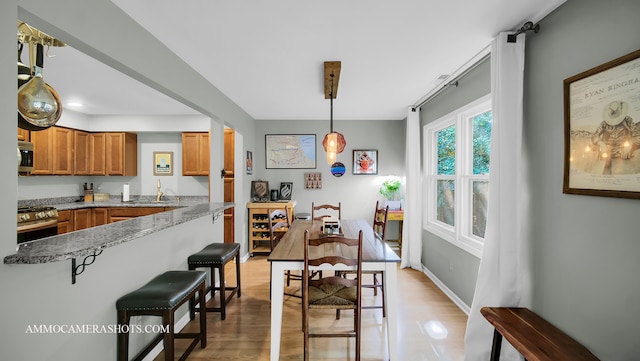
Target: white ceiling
(267, 56)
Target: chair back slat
(278, 224)
(325, 210)
(380, 221)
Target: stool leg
(238, 272)
(203, 316)
(123, 337)
(167, 319)
(495, 348)
(223, 295)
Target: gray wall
(454, 267)
(358, 193)
(580, 252)
(584, 250)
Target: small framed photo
(260, 191)
(162, 163)
(286, 189)
(365, 161)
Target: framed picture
(286, 151)
(602, 130)
(162, 163)
(249, 162)
(286, 189)
(260, 191)
(365, 161)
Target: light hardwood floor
(430, 326)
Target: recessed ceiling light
(75, 105)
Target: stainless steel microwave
(26, 156)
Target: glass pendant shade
(333, 143)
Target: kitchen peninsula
(91, 240)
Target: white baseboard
(452, 296)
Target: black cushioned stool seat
(161, 297)
(216, 256)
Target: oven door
(30, 231)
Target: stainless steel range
(36, 222)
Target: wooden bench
(534, 337)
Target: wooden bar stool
(215, 256)
(161, 297)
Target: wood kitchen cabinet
(82, 153)
(113, 153)
(123, 213)
(90, 217)
(195, 154)
(23, 135)
(82, 219)
(121, 154)
(65, 221)
(99, 216)
(53, 150)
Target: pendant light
(333, 142)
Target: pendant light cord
(331, 97)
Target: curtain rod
(459, 73)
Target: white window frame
(461, 233)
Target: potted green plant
(390, 189)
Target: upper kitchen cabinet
(23, 135)
(121, 152)
(113, 153)
(195, 154)
(229, 141)
(96, 155)
(82, 153)
(53, 150)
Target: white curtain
(412, 231)
(499, 281)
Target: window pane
(480, 200)
(446, 198)
(446, 143)
(481, 142)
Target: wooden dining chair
(325, 210)
(379, 230)
(332, 292)
(279, 224)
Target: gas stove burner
(27, 209)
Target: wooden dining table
(376, 256)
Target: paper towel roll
(125, 193)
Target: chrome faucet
(159, 194)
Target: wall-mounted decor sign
(602, 130)
(260, 191)
(337, 169)
(313, 180)
(287, 151)
(286, 189)
(365, 161)
(249, 162)
(162, 163)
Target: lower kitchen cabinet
(65, 221)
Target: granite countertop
(66, 203)
(88, 241)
